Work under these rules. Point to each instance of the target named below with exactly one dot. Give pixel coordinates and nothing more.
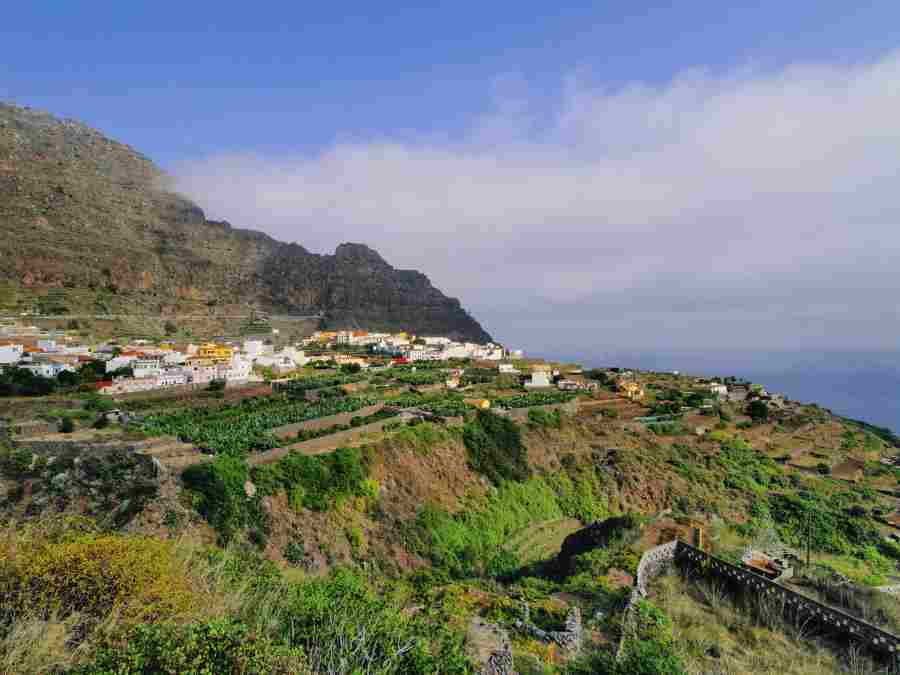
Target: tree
(68, 379)
(758, 410)
(92, 371)
(216, 385)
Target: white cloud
(720, 187)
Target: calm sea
(864, 386)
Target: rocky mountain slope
(80, 211)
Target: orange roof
(132, 353)
(33, 350)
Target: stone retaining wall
(499, 663)
(651, 565)
(569, 638)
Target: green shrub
(219, 486)
(642, 657)
(67, 426)
(758, 410)
(494, 447)
(832, 523)
(422, 437)
(746, 470)
(316, 482)
(649, 657)
(15, 463)
(295, 552)
(222, 646)
(544, 419)
(580, 497)
(340, 609)
(666, 428)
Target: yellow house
(631, 390)
(325, 335)
(215, 353)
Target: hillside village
(130, 366)
(126, 366)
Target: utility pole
(808, 536)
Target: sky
(596, 176)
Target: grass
(474, 541)
(422, 437)
(717, 637)
(541, 540)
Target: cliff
(82, 212)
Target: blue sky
(179, 80)
(634, 175)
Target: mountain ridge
(79, 210)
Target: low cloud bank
(757, 208)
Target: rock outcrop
(81, 212)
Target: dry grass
(34, 645)
(717, 639)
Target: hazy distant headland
(859, 385)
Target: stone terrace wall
(651, 565)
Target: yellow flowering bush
(69, 566)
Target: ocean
(859, 385)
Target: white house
(121, 361)
(203, 373)
(719, 390)
(239, 369)
(457, 351)
(255, 348)
(147, 367)
(489, 352)
(172, 377)
(48, 368)
(47, 345)
(10, 354)
(539, 379)
(508, 369)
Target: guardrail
(655, 560)
(835, 620)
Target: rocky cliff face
(80, 211)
